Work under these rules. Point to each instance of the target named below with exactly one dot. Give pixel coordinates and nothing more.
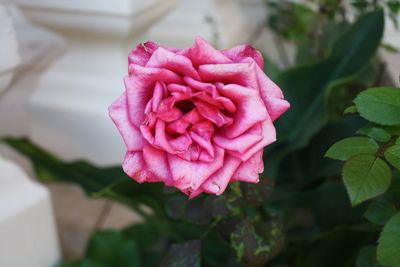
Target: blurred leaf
(380, 105)
(389, 243)
(346, 148)
(376, 132)
(305, 87)
(365, 176)
(366, 257)
(250, 247)
(256, 194)
(390, 48)
(83, 263)
(183, 255)
(392, 154)
(349, 110)
(379, 212)
(111, 248)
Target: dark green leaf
(389, 243)
(376, 132)
(349, 110)
(366, 176)
(392, 154)
(83, 263)
(346, 148)
(366, 257)
(256, 194)
(305, 87)
(379, 212)
(380, 105)
(183, 255)
(250, 247)
(111, 248)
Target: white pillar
(28, 236)
(68, 110)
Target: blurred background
(62, 64)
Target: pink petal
(158, 95)
(170, 115)
(142, 53)
(191, 174)
(238, 53)
(242, 142)
(163, 58)
(206, 87)
(212, 113)
(217, 183)
(131, 135)
(203, 143)
(178, 126)
(250, 109)
(133, 165)
(157, 163)
(272, 95)
(250, 169)
(204, 53)
(236, 73)
(204, 129)
(269, 136)
(193, 116)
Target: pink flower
(196, 118)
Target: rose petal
(243, 74)
(130, 134)
(249, 170)
(142, 53)
(217, 183)
(250, 109)
(158, 95)
(193, 116)
(269, 136)
(156, 162)
(206, 87)
(272, 95)
(242, 142)
(163, 58)
(133, 164)
(212, 113)
(203, 143)
(191, 174)
(203, 53)
(240, 52)
(178, 126)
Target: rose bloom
(196, 118)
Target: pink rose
(196, 118)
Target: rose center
(185, 106)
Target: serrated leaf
(349, 110)
(346, 148)
(380, 105)
(183, 255)
(376, 132)
(388, 252)
(392, 154)
(366, 176)
(379, 212)
(366, 257)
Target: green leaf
(305, 87)
(252, 248)
(83, 263)
(183, 255)
(392, 154)
(111, 248)
(380, 105)
(379, 212)
(346, 148)
(376, 132)
(366, 176)
(398, 141)
(390, 48)
(389, 243)
(349, 110)
(366, 257)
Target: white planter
(27, 229)
(68, 110)
(9, 56)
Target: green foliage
(392, 154)
(346, 148)
(388, 248)
(183, 255)
(379, 212)
(380, 105)
(375, 132)
(366, 258)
